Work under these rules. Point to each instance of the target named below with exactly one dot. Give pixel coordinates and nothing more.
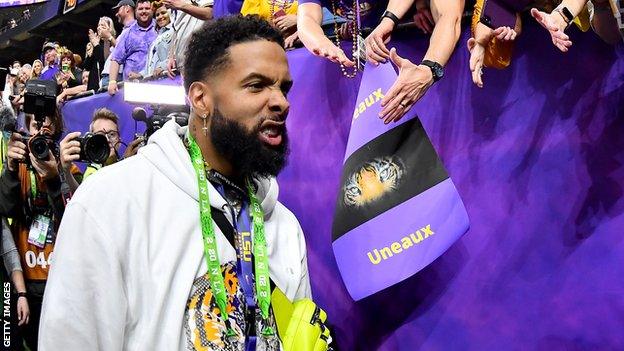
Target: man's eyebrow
(260, 76)
(285, 85)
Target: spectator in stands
(50, 56)
(69, 78)
(158, 52)
(104, 122)
(312, 13)
(37, 68)
(19, 88)
(414, 79)
(85, 77)
(558, 20)
(16, 64)
(186, 17)
(9, 83)
(489, 46)
(125, 12)
(133, 44)
(29, 195)
(97, 60)
(77, 60)
(281, 13)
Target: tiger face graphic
(372, 181)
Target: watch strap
(435, 67)
(566, 14)
(392, 17)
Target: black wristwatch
(392, 17)
(22, 294)
(436, 69)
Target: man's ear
(200, 97)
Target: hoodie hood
(166, 151)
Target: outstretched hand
(477, 55)
(555, 24)
(410, 86)
(376, 50)
(330, 51)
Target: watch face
(439, 72)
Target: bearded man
(155, 252)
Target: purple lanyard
(243, 247)
(244, 266)
(244, 263)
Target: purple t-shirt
(132, 47)
(50, 73)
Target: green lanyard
(33, 184)
(210, 244)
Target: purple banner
(366, 125)
(395, 195)
(398, 243)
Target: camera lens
(94, 148)
(39, 147)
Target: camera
(94, 148)
(40, 99)
(40, 144)
(167, 102)
(160, 116)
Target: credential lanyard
(33, 184)
(215, 277)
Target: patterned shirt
(133, 46)
(204, 327)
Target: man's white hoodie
(130, 246)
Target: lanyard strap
(215, 277)
(33, 184)
(263, 289)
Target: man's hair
(104, 113)
(140, 1)
(207, 49)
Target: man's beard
(246, 153)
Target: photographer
(30, 193)
(104, 122)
